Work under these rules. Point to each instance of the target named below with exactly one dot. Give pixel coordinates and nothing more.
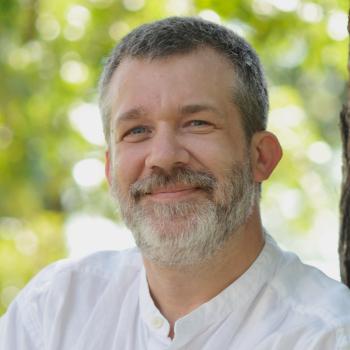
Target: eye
(137, 130)
(138, 133)
(199, 126)
(198, 123)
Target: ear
(266, 152)
(108, 167)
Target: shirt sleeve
(333, 339)
(18, 333)
(21, 326)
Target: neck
(177, 291)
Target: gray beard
(188, 232)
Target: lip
(176, 193)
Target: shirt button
(157, 322)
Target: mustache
(178, 176)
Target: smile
(165, 194)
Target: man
(184, 105)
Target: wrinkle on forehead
(181, 78)
(206, 57)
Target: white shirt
(102, 302)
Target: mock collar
(235, 299)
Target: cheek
(216, 154)
(129, 164)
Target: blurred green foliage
(51, 55)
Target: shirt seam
(330, 322)
(78, 266)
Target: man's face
(179, 165)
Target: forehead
(201, 71)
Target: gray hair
(181, 35)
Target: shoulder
(308, 288)
(104, 265)
(310, 299)
(68, 292)
(93, 272)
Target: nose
(166, 151)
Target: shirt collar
(236, 298)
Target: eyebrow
(131, 114)
(196, 108)
(139, 112)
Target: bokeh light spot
(310, 12)
(89, 172)
(87, 234)
(19, 58)
(48, 27)
(118, 29)
(319, 152)
(73, 33)
(133, 5)
(290, 202)
(210, 15)
(269, 7)
(337, 25)
(86, 119)
(294, 55)
(74, 72)
(179, 7)
(288, 116)
(263, 7)
(286, 6)
(78, 15)
(26, 242)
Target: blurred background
(54, 201)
